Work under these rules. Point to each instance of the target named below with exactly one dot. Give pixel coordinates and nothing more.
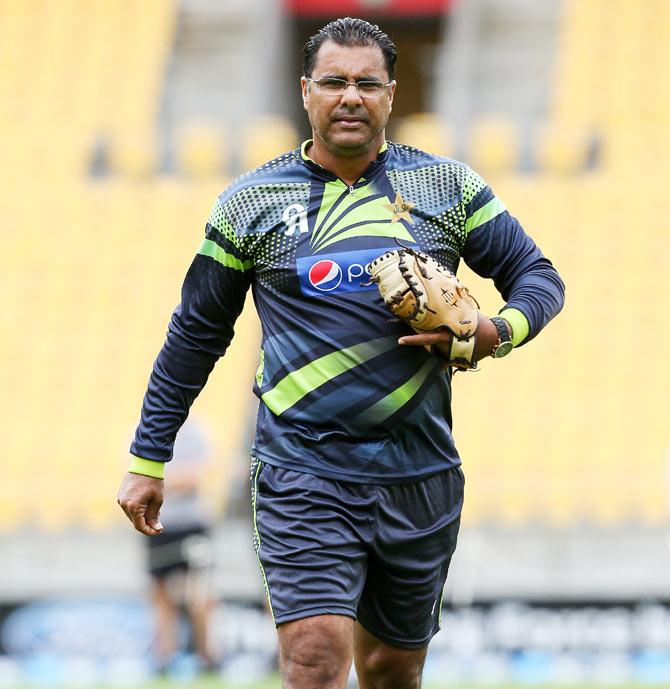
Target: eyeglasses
(366, 88)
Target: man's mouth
(349, 121)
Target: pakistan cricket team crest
(400, 209)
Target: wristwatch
(504, 344)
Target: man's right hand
(141, 498)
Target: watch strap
(504, 331)
(504, 335)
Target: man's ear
(304, 87)
(392, 88)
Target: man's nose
(351, 94)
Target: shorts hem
(398, 643)
(313, 612)
(165, 572)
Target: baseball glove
(429, 297)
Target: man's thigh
(414, 539)
(312, 540)
(316, 652)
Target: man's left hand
(487, 336)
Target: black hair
(349, 31)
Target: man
(357, 486)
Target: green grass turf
(274, 683)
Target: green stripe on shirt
(213, 250)
(487, 212)
(389, 405)
(294, 386)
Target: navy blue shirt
(339, 397)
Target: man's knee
(387, 674)
(384, 667)
(316, 652)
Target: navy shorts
(377, 553)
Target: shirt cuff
(519, 323)
(147, 467)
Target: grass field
(274, 683)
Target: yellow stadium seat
(265, 138)
(493, 144)
(200, 150)
(427, 131)
(562, 149)
(133, 155)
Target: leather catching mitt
(429, 297)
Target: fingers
(435, 338)
(137, 517)
(152, 516)
(141, 497)
(143, 524)
(137, 513)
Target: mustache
(347, 114)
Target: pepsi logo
(337, 274)
(325, 275)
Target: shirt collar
(312, 164)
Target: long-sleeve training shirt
(339, 398)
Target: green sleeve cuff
(519, 323)
(147, 467)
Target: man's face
(348, 124)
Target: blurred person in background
(179, 559)
(356, 482)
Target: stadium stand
(494, 144)
(589, 445)
(426, 131)
(579, 437)
(133, 155)
(264, 138)
(80, 251)
(201, 150)
(561, 148)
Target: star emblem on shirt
(400, 209)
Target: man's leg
(380, 666)
(316, 652)
(199, 606)
(166, 617)
(416, 529)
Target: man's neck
(349, 170)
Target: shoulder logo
(295, 217)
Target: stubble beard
(348, 150)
